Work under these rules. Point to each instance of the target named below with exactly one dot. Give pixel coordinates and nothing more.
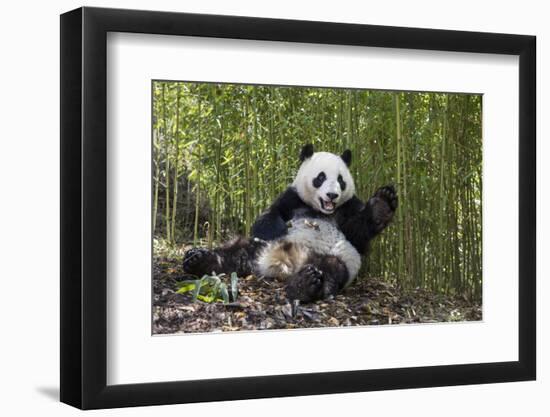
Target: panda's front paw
(306, 285)
(200, 261)
(382, 207)
(389, 195)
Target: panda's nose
(332, 196)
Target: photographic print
(302, 190)
(290, 207)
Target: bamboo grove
(222, 153)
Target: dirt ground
(261, 304)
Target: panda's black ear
(306, 152)
(346, 157)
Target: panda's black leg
(323, 276)
(237, 255)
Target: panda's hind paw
(200, 261)
(306, 285)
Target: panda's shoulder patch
(288, 202)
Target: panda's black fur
(275, 248)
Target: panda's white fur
(288, 254)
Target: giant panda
(313, 235)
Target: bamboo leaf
(224, 293)
(197, 289)
(234, 283)
(185, 286)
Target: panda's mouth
(327, 206)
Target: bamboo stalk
(442, 199)
(398, 162)
(247, 195)
(199, 163)
(176, 164)
(156, 179)
(167, 164)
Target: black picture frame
(84, 207)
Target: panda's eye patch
(319, 179)
(341, 182)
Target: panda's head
(323, 181)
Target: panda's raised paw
(389, 195)
(306, 285)
(381, 208)
(200, 261)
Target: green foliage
(210, 288)
(223, 152)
